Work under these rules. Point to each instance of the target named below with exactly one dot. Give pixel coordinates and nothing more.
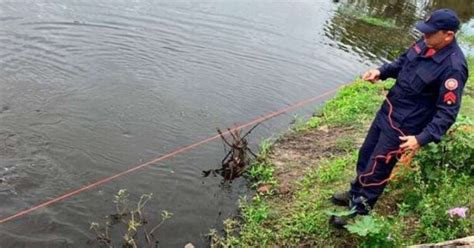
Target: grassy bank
(307, 165)
(376, 21)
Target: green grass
(353, 105)
(467, 107)
(377, 21)
(302, 219)
(261, 173)
(265, 148)
(412, 209)
(330, 172)
(466, 39)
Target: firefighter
(420, 108)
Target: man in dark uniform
(419, 109)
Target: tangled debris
(237, 158)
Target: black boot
(342, 199)
(340, 221)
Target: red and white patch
(451, 84)
(417, 48)
(450, 98)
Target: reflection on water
(377, 42)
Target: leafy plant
(314, 122)
(340, 213)
(258, 212)
(435, 198)
(261, 173)
(128, 218)
(265, 147)
(228, 239)
(365, 226)
(455, 151)
(374, 231)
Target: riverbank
(295, 176)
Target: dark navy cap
(441, 19)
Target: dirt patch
(297, 152)
(387, 205)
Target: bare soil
(296, 152)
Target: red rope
(399, 154)
(161, 158)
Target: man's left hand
(409, 142)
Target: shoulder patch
(451, 84)
(417, 48)
(450, 98)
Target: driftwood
(237, 158)
(464, 242)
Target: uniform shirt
(427, 94)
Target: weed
(353, 105)
(345, 143)
(436, 200)
(314, 122)
(455, 151)
(332, 171)
(261, 173)
(265, 148)
(130, 219)
(256, 213)
(299, 124)
(374, 231)
(228, 239)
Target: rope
(84, 188)
(403, 156)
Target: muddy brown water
(91, 88)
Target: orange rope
(404, 157)
(175, 152)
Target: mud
(297, 152)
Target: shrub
(455, 151)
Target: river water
(91, 88)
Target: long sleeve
(391, 70)
(447, 107)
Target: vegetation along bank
(430, 201)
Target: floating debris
(235, 161)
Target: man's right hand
(372, 75)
